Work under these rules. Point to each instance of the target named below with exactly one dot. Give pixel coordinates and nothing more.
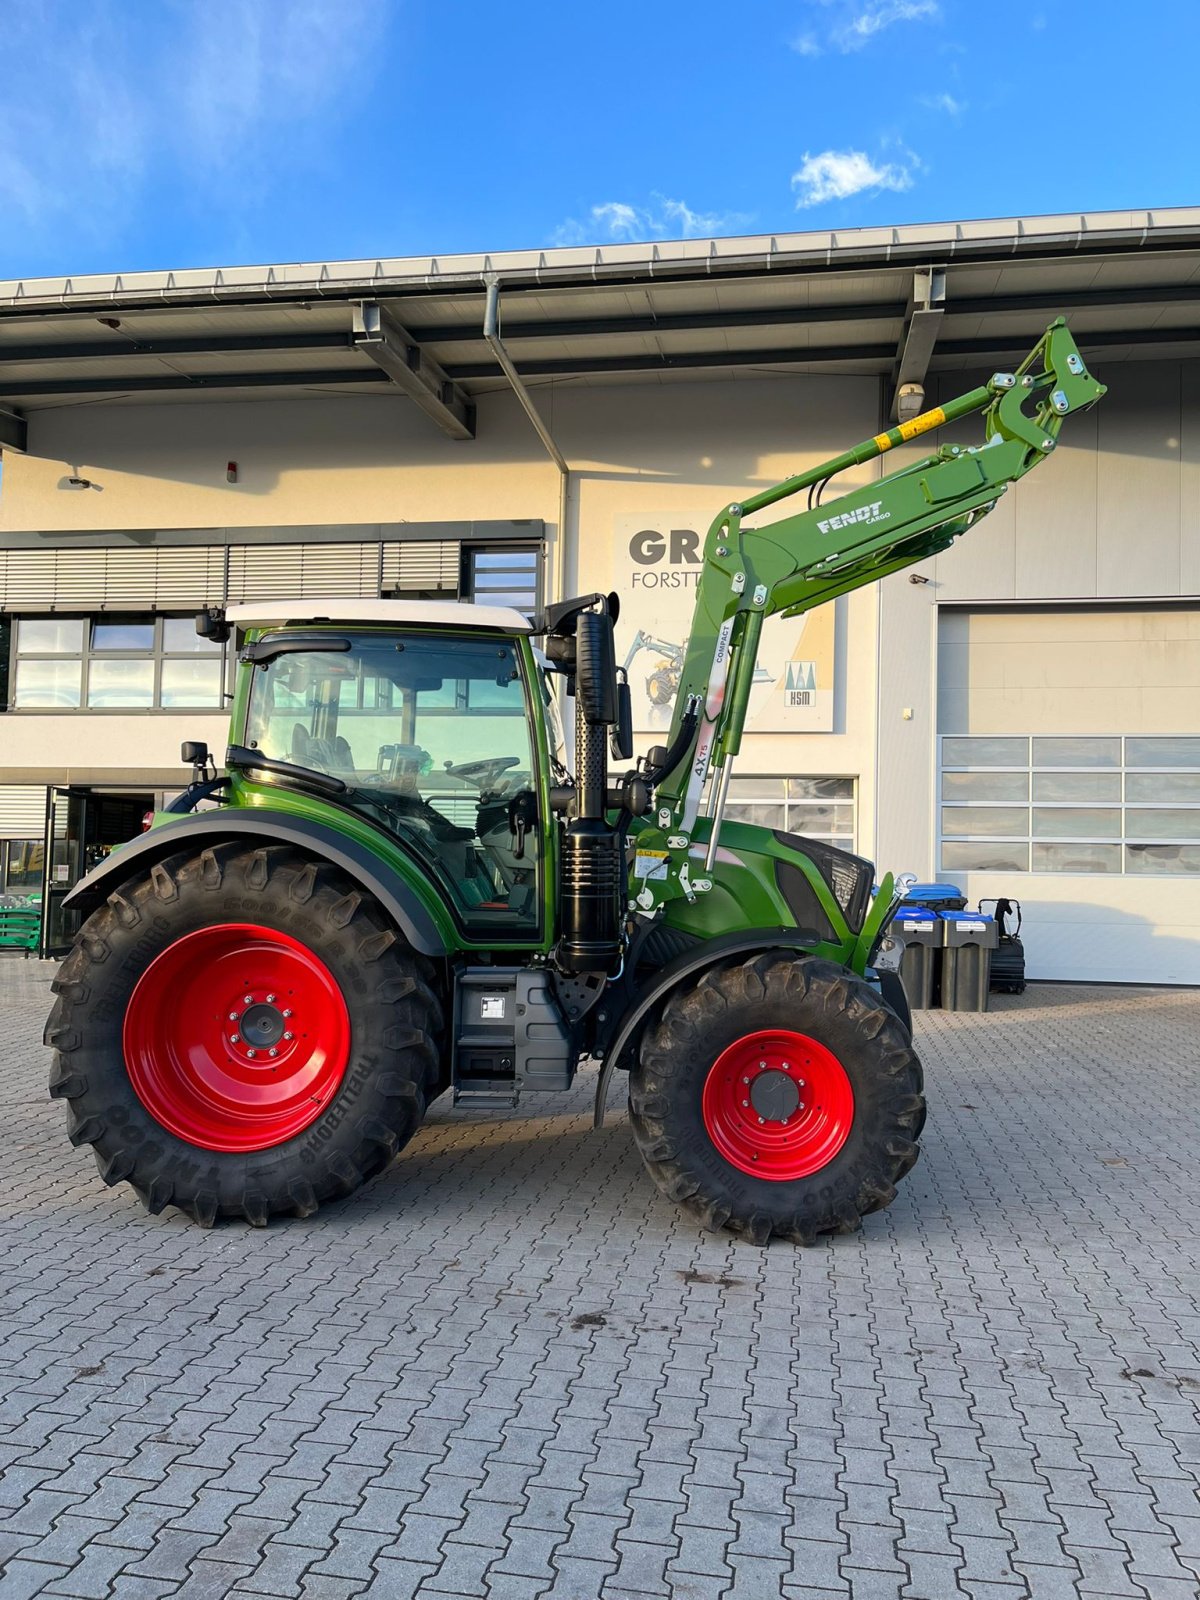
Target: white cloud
(848, 25)
(944, 102)
(662, 218)
(839, 174)
(99, 102)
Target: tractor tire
(242, 1033)
(662, 686)
(777, 1095)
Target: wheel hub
(774, 1095)
(236, 1037)
(261, 1025)
(778, 1105)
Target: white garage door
(1070, 779)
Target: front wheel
(777, 1096)
(242, 1033)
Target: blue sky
(170, 133)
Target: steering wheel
(482, 772)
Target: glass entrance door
(64, 863)
(83, 825)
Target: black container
(920, 966)
(967, 960)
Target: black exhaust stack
(591, 912)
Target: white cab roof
(390, 613)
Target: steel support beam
(926, 307)
(773, 316)
(880, 355)
(393, 349)
(14, 431)
(166, 382)
(202, 344)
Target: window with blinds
(422, 569)
(291, 571)
(153, 579)
(184, 577)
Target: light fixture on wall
(910, 401)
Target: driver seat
(324, 755)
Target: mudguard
(207, 828)
(745, 942)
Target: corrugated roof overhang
(1128, 281)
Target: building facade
(1021, 715)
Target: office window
(504, 577)
(1101, 804)
(20, 866)
(113, 663)
(819, 808)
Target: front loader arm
(794, 565)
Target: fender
(746, 942)
(206, 828)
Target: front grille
(849, 877)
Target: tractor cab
(421, 717)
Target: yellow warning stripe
(909, 430)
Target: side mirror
(621, 742)
(211, 624)
(193, 753)
(595, 668)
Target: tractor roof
(376, 613)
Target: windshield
(431, 735)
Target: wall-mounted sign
(657, 572)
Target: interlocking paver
(991, 1393)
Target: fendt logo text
(869, 513)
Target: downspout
(491, 334)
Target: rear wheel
(777, 1096)
(242, 1033)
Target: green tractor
(398, 888)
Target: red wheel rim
(236, 1037)
(778, 1105)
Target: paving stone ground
(508, 1368)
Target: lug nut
(270, 999)
(745, 1102)
(761, 1065)
(289, 1036)
(251, 1052)
(233, 1016)
(760, 1121)
(234, 1037)
(745, 1080)
(248, 998)
(287, 1011)
(272, 1051)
